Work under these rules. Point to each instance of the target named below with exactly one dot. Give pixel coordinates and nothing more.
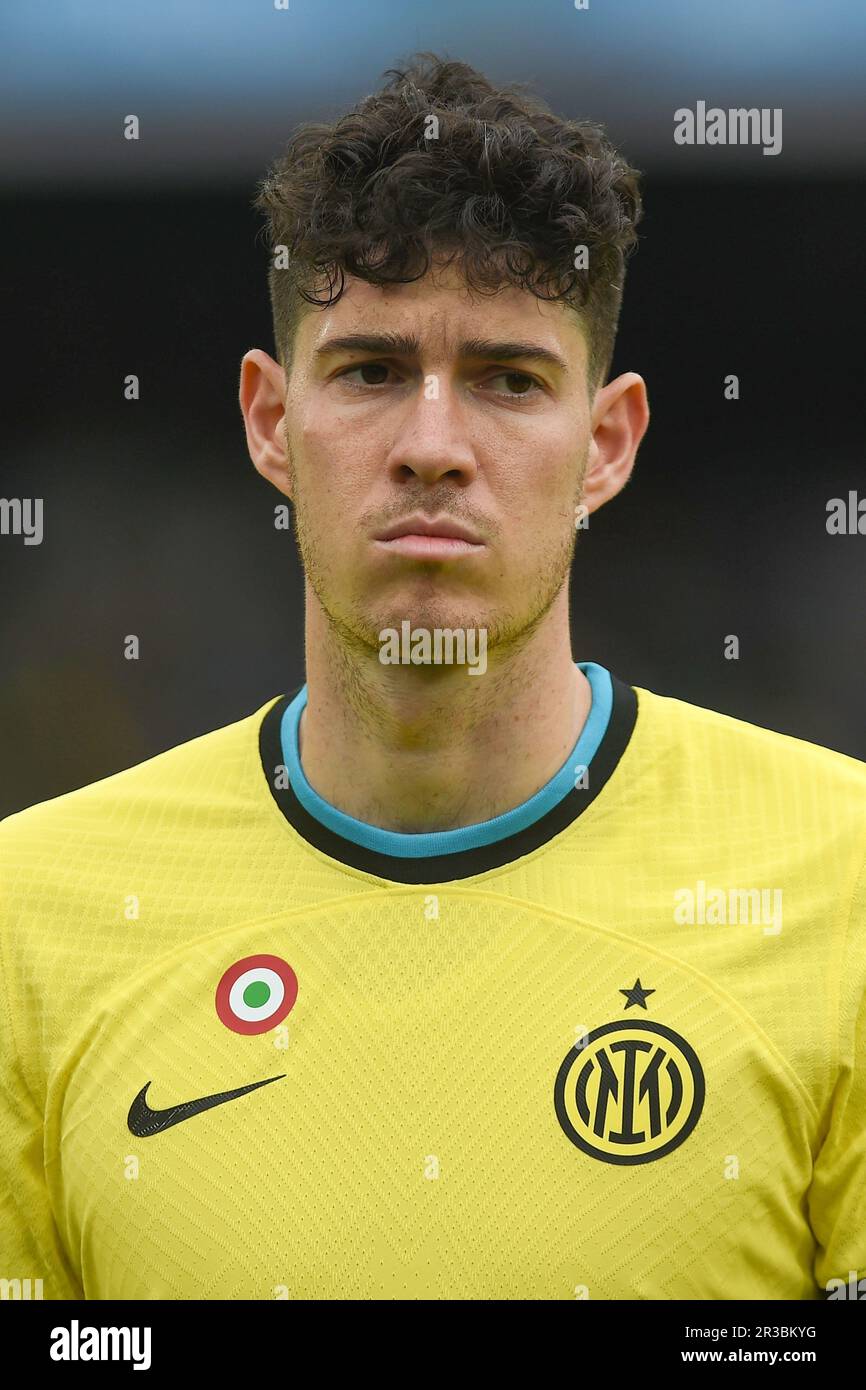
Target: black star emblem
(637, 994)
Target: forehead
(441, 310)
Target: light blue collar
(428, 844)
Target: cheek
(317, 441)
(538, 491)
(329, 489)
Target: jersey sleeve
(32, 1261)
(837, 1197)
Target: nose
(433, 441)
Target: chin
(424, 614)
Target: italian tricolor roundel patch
(256, 993)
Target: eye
(372, 367)
(520, 384)
(522, 378)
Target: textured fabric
(539, 1083)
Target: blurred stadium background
(143, 257)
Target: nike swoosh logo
(143, 1121)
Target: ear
(620, 416)
(262, 398)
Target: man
(466, 971)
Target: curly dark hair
(504, 185)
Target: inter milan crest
(631, 1091)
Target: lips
(441, 527)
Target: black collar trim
(465, 863)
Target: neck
(423, 748)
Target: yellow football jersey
(619, 1053)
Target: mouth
(425, 538)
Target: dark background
(157, 524)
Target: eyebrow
(407, 345)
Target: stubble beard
(357, 629)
